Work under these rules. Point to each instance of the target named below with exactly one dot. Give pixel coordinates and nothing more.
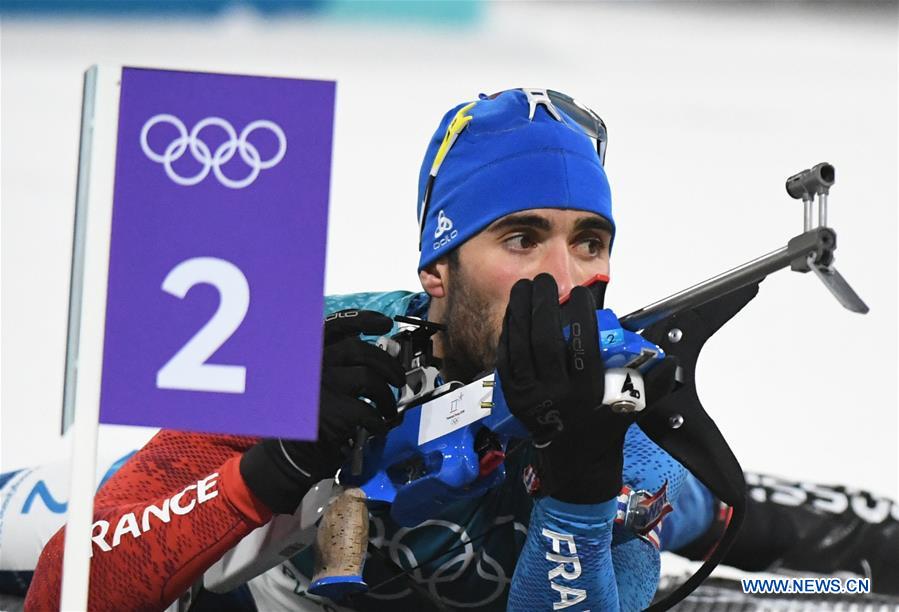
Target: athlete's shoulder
(390, 303)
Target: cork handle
(342, 537)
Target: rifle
(451, 439)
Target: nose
(559, 261)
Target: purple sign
(216, 271)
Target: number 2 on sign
(187, 369)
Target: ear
(433, 278)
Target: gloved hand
(280, 472)
(555, 387)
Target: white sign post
(87, 313)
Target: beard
(471, 335)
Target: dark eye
(520, 242)
(591, 246)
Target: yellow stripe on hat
(452, 132)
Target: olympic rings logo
(486, 567)
(223, 153)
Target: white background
(709, 106)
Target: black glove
(280, 472)
(555, 387)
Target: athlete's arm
(625, 576)
(674, 509)
(167, 515)
(186, 499)
(695, 512)
(566, 560)
(553, 386)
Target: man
(515, 213)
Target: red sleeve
(165, 517)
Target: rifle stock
(340, 546)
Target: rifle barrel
(820, 242)
(719, 285)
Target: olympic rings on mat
(486, 567)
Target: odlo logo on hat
(444, 225)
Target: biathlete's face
(471, 289)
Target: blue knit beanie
(503, 162)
